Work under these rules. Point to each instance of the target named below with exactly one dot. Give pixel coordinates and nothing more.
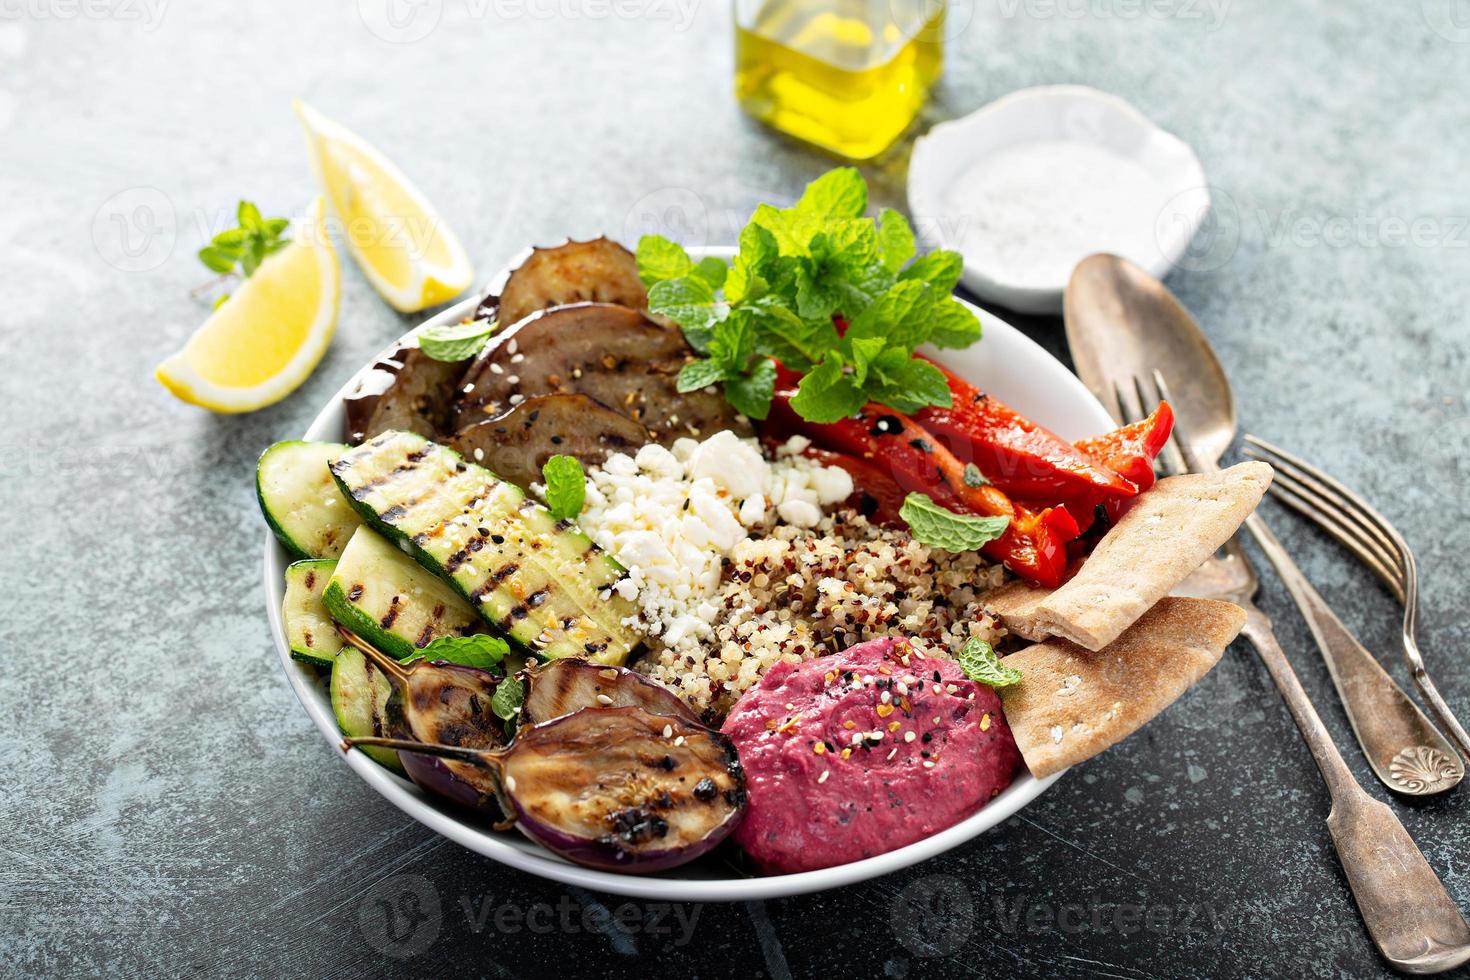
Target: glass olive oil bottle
(846, 75)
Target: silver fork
(1405, 908)
(1368, 535)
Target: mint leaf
(895, 239)
(937, 527)
(750, 394)
(980, 664)
(732, 341)
(974, 478)
(566, 487)
(939, 269)
(217, 259)
(456, 341)
(689, 302)
(865, 350)
(248, 215)
(953, 324)
(714, 271)
(828, 393)
(900, 316)
(699, 374)
(660, 259)
(911, 384)
(839, 193)
(508, 697)
(479, 650)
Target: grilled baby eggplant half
(620, 789)
(442, 704)
(560, 687)
(599, 271)
(515, 446)
(610, 353)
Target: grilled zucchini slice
(299, 500)
(392, 602)
(360, 694)
(540, 581)
(310, 632)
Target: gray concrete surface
(167, 807)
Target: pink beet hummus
(862, 752)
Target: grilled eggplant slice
(540, 581)
(560, 687)
(615, 355)
(390, 600)
(302, 506)
(600, 271)
(310, 632)
(517, 444)
(614, 788)
(407, 390)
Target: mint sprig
(797, 268)
(939, 527)
(979, 662)
(479, 650)
(456, 341)
(509, 695)
(566, 486)
(243, 248)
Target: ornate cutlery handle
(1403, 748)
(1405, 908)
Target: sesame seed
(603, 699)
(893, 753)
(928, 763)
(496, 369)
(823, 777)
(518, 358)
(909, 736)
(679, 740)
(668, 731)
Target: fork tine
(1128, 404)
(1284, 489)
(1354, 507)
(1169, 463)
(1179, 450)
(1317, 505)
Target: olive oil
(846, 75)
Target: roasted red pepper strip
(1034, 544)
(1022, 459)
(1131, 450)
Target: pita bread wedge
(1071, 703)
(1169, 532)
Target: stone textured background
(168, 808)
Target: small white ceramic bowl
(1006, 363)
(1071, 113)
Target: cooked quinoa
(801, 593)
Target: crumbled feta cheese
(672, 516)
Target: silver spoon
(1122, 324)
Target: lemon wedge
(404, 247)
(268, 337)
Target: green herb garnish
(938, 527)
(566, 487)
(479, 650)
(456, 341)
(973, 477)
(797, 269)
(243, 248)
(980, 664)
(508, 697)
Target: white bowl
(1006, 363)
(1070, 113)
